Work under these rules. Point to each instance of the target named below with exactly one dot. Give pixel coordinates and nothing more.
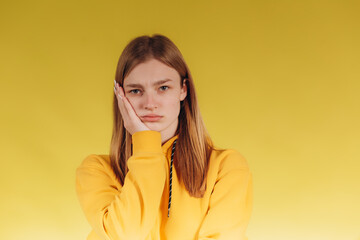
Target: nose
(150, 101)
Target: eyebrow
(155, 84)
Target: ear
(183, 90)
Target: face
(154, 91)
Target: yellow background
(277, 80)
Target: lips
(151, 118)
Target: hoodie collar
(168, 143)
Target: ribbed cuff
(146, 141)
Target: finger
(127, 104)
(122, 108)
(116, 89)
(121, 91)
(130, 109)
(121, 95)
(131, 119)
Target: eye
(163, 88)
(134, 91)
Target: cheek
(174, 105)
(171, 101)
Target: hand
(132, 122)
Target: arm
(126, 212)
(230, 202)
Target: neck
(169, 132)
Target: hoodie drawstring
(171, 164)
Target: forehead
(151, 71)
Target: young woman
(163, 178)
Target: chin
(154, 126)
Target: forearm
(130, 211)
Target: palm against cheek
(134, 109)
(132, 122)
(132, 104)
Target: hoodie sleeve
(128, 211)
(230, 203)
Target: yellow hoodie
(138, 210)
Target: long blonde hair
(193, 146)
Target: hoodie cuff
(146, 141)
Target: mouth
(151, 118)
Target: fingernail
(117, 93)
